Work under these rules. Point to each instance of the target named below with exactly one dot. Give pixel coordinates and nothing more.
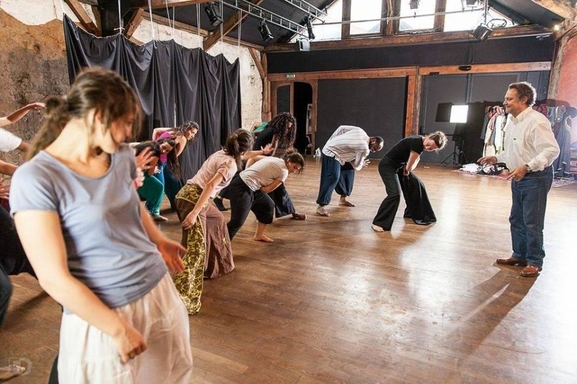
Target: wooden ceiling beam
(228, 26)
(562, 8)
(256, 58)
(85, 20)
(401, 40)
(156, 4)
(485, 68)
(345, 74)
(204, 33)
(133, 23)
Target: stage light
(265, 32)
(471, 3)
(414, 4)
(482, 32)
(310, 29)
(459, 113)
(213, 14)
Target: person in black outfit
(396, 171)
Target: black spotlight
(310, 29)
(265, 32)
(213, 14)
(482, 32)
(414, 4)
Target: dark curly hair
(280, 126)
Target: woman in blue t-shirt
(93, 246)
(396, 169)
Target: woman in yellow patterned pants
(193, 203)
(189, 281)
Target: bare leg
(259, 235)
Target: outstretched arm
(19, 113)
(190, 219)
(7, 168)
(156, 132)
(267, 149)
(43, 243)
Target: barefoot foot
(263, 238)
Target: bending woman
(193, 208)
(169, 165)
(152, 189)
(396, 171)
(280, 133)
(249, 191)
(94, 248)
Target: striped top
(348, 144)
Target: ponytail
(237, 144)
(55, 118)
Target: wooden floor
(331, 301)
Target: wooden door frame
(277, 82)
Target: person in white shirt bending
(344, 152)
(249, 191)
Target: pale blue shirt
(107, 246)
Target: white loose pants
(87, 355)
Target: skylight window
(366, 10)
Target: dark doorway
(303, 96)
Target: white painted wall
(38, 12)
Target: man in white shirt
(529, 150)
(345, 151)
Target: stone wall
(33, 61)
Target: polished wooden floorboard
(331, 301)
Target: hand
(4, 191)
(171, 254)
(129, 342)
(139, 181)
(518, 173)
(487, 160)
(267, 149)
(36, 106)
(189, 220)
(366, 162)
(144, 158)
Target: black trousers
(13, 260)
(418, 204)
(414, 193)
(242, 201)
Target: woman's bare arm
(43, 243)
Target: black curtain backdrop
(175, 85)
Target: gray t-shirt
(107, 246)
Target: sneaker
(218, 203)
(321, 211)
(159, 218)
(376, 228)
